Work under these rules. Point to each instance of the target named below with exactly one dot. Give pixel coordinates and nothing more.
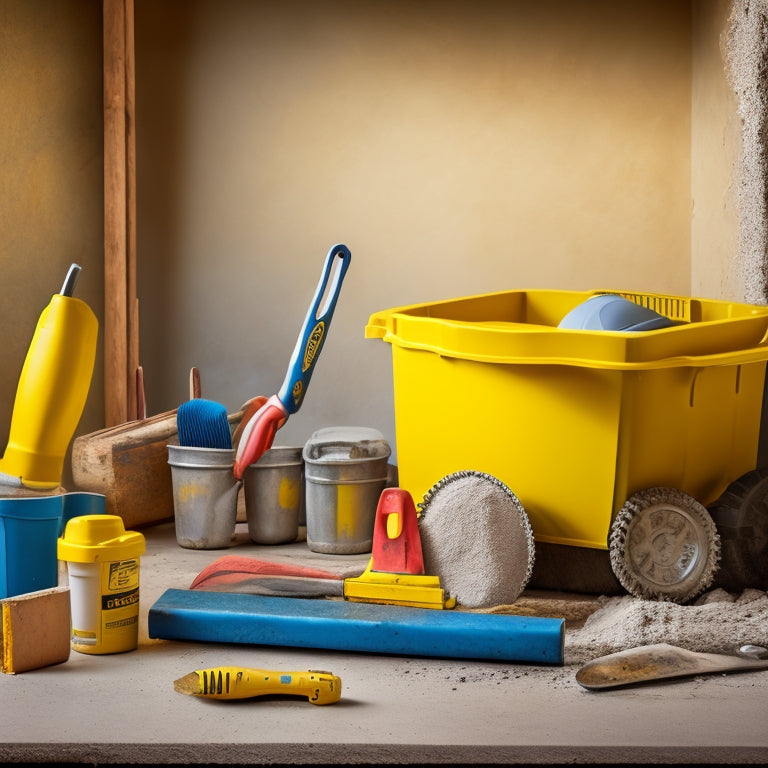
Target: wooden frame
(121, 315)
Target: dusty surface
(123, 708)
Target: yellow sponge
(36, 630)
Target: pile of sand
(718, 622)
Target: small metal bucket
(274, 495)
(345, 471)
(204, 496)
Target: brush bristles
(203, 424)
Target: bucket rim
(184, 465)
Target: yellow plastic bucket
(575, 421)
(103, 568)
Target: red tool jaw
(258, 434)
(396, 541)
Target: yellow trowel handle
(243, 683)
(51, 392)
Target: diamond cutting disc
(475, 535)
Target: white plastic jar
(103, 568)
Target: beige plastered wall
(51, 178)
(457, 148)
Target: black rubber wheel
(664, 546)
(741, 517)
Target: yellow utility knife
(243, 683)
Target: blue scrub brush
(202, 423)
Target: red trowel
(395, 572)
(249, 575)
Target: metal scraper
(662, 661)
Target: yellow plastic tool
(243, 683)
(52, 391)
(417, 591)
(395, 573)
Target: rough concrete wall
(715, 150)
(747, 63)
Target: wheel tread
(684, 590)
(741, 518)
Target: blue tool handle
(315, 329)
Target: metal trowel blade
(662, 661)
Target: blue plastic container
(79, 503)
(29, 531)
(30, 527)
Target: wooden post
(121, 317)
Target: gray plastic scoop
(661, 661)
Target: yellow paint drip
(189, 491)
(288, 493)
(347, 511)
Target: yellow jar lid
(96, 538)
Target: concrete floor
(123, 708)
